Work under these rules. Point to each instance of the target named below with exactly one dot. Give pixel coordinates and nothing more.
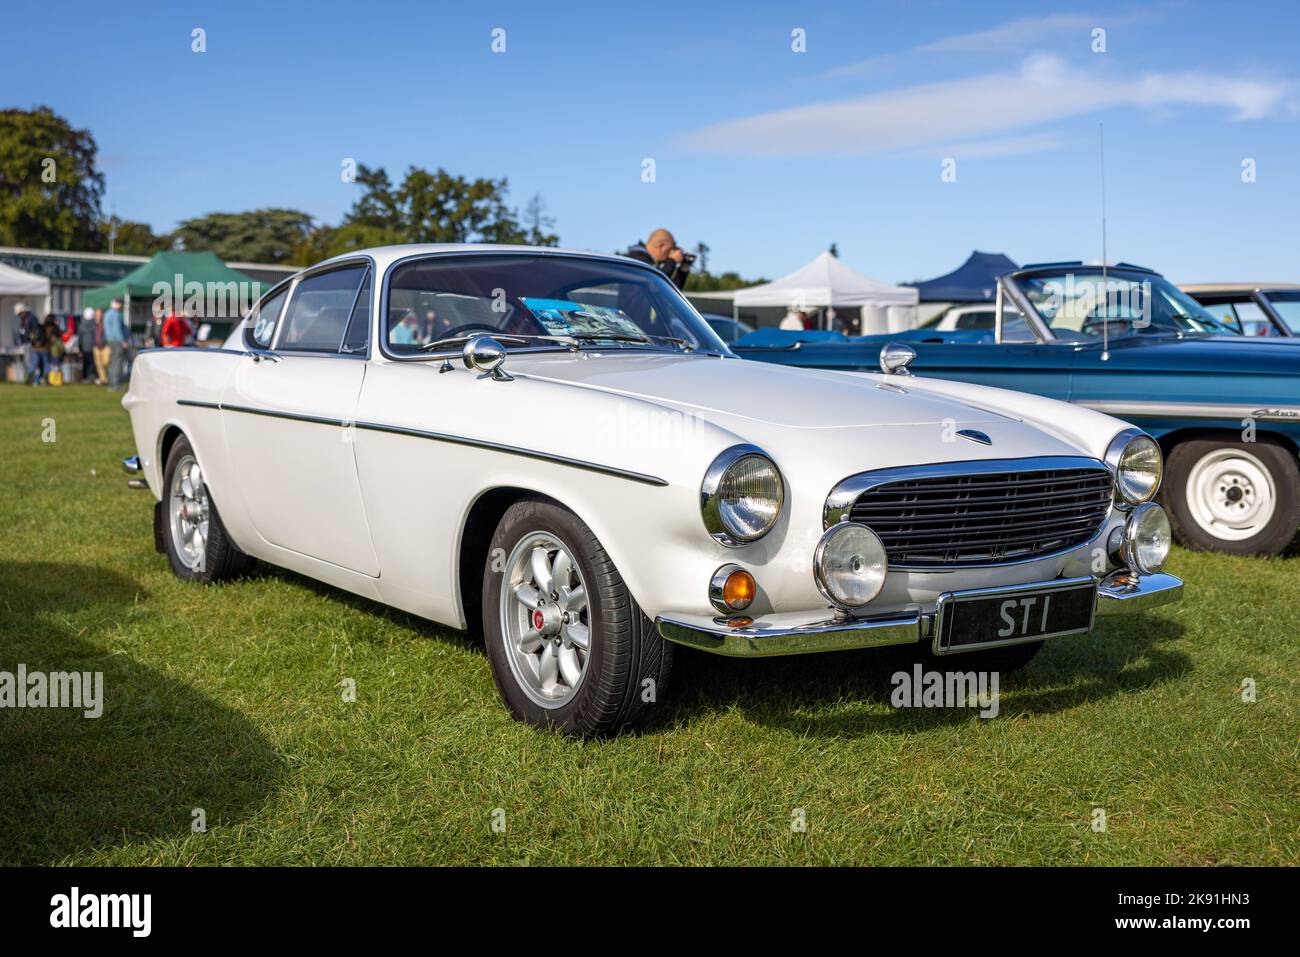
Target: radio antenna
(1105, 286)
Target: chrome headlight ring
(721, 517)
(1133, 442)
(850, 565)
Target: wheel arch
(1169, 440)
(480, 525)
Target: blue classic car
(1225, 408)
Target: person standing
(661, 250)
(39, 336)
(117, 337)
(54, 349)
(29, 330)
(176, 331)
(86, 342)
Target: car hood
(1211, 355)
(760, 393)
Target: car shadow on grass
(847, 694)
(470, 640)
(72, 785)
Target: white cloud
(1013, 37)
(1017, 35)
(1044, 90)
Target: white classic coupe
(555, 446)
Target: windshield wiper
(643, 338)
(569, 341)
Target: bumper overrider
(1121, 593)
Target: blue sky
(766, 154)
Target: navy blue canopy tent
(972, 281)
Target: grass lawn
(228, 699)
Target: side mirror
(895, 357)
(485, 354)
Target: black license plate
(986, 618)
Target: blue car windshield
(1076, 305)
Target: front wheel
(1237, 497)
(568, 644)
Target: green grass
(227, 698)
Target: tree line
(51, 197)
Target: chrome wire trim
(436, 437)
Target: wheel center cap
(1234, 494)
(547, 618)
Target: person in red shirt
(176, 331)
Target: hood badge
(975, 435)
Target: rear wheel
(568, 644)
(196, 542)
(1237, 497)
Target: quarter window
(261, 322)
(320, 309)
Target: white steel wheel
(1231, 494)
(545, 624)
(188, 510)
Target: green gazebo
(178, 270)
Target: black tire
(627, 664)
(1271, 539)
(221, 557)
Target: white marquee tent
(17, 286)
(826, 283)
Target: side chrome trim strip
(437, 437)
(1195, 410)
(514, 450)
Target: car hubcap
(1231, 495)
(544, 619)
(189, 512)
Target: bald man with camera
(662, 252)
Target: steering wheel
(472, 327)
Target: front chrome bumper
(798, 633)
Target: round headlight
(850, 564)
(1147, 537)
(1137, 474)
(741, 496)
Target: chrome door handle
(259, 355)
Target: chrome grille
(986, 518)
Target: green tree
(133, 239)
(702, 254)
(438, 207)
(539, 223)
(326, 241)
(256, 236)
(50, 190)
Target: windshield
(1287, 305)
(528, 301)
(1075, 305)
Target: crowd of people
(99, 343)
(102, 342)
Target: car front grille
(960, 520)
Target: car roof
(385, 256)
(1036, 268)
(1225, 287)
